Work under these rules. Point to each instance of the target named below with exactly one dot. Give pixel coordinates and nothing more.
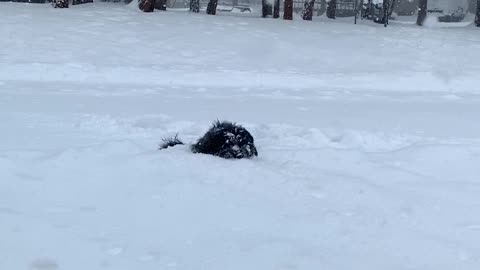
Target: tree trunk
(422, 12)
(276, 9)
(386, 12)
(307, 12)
(195, 6)
(331, 9)
(477, 14)
(266, 8)
(147, 5)
(212, 7)
(288, 10)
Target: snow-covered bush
(60, 3)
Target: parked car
(448, 11)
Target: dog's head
(227, 140)
(238, 144)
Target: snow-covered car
(448, 11)
(455, 16)
(235, 9)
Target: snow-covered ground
(368, 139)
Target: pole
(477, 14)
(356, 11)
(386, 7)
(422, 11)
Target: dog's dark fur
(170, 142)
(223, 139)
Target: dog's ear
(217, 123)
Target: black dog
(223, 139)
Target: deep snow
(368, 139)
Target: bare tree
(422, 12)
(195, 6)
(477, 14)
(212, 7)
(276, 9)
(288, 10)
(332, 9)
(307, 12)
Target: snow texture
(369, 142)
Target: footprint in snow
(44, 264)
